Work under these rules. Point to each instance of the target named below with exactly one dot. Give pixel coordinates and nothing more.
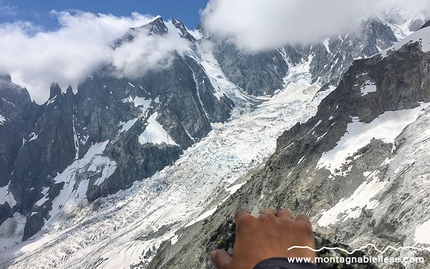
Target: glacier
(126, 228)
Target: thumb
(221, 258)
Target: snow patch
(84, 139)
(12, 231)
(386, 127)
(50, 101)
(10, 103)
(174, 239)
(326, 45)
(142, 102)
(235, 188)
(368, 87)
(44, 198)
(196, 34)
(2, 120)
(76, 179)
(422, 233)
(102, 165)
(154, 133)
(32, 137)
(203, 216)
(138, 102)
(125, 126)
(422, 36)
(352, 206)
(6, 196)
(75, 138)
(171, 28)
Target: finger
(268, 212)
(221, 259)
(285, 213)
(268, 215)
(240, 214)
(303, 218)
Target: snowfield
(386, 127)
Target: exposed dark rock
(5, 212)
(33, 225)
(15, 111)
(257, 74)
(427, 24)
(157, 27)
(263, 73)
(184, 32)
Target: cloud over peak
(255, 25)
(147, 52)
(36, 58)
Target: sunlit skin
(268, 236)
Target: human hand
(268, 236)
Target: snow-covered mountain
(100, 178)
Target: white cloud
(265, 24)
(36, 58)
(147, 52)
(7, 10)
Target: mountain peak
(5, 77)
(54, 90)
(157, 26)
(69, 91)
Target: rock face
(263, 73)
(15, 112)
(38, 163)
(117, 130)
(355, 188)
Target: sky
(38, 11)
(62, 41)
